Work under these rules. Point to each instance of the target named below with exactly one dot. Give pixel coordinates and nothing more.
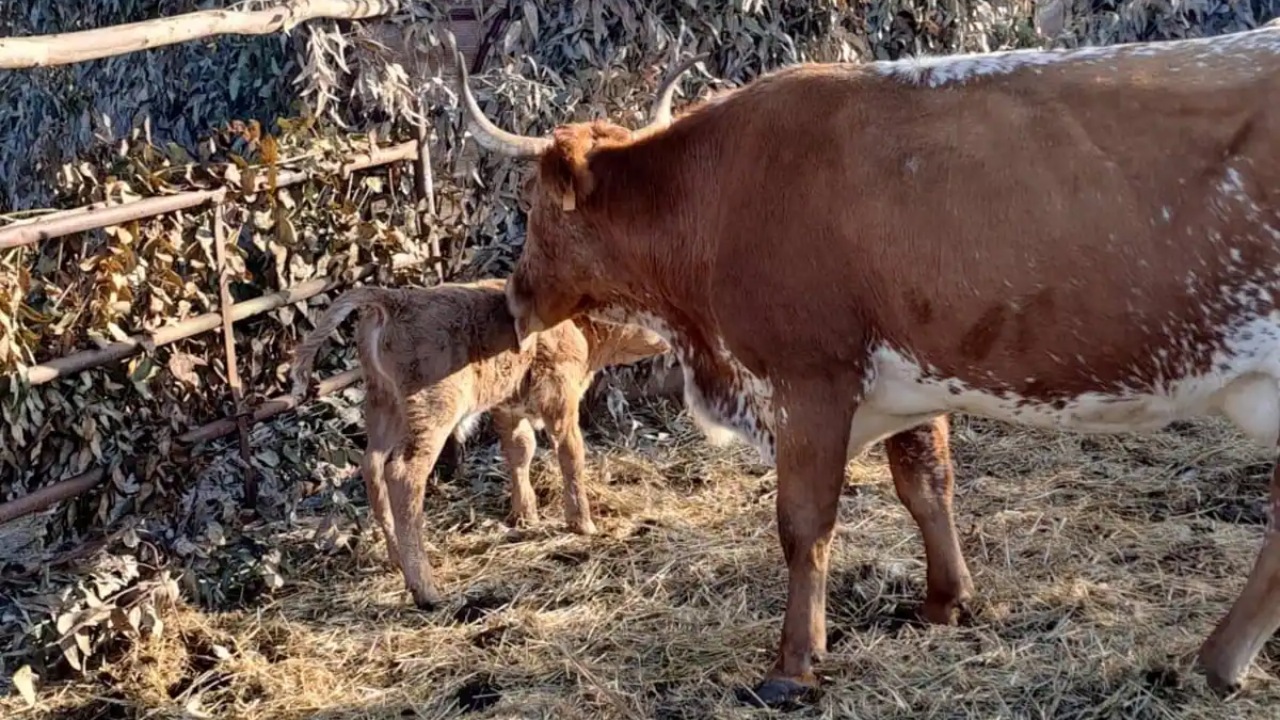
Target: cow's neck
(726, 400)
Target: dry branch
(98, 215)
(50, 495)
(225, 305)
(66, 48)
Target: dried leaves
(78, 292)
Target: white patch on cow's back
(1242, 384)
(938, 70)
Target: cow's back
(1039, 233)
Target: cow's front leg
(811, 442)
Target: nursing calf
(436, 359)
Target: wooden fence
(106, 42)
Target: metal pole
(269, 409)
(229, 350)
(425, 196)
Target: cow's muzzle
(526, 326)
(523, 310)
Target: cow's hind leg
(920, 461)
(1255, 615)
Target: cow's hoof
(777, 693)
(1221, 685)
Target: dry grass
(1100, 563)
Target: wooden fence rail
(66, 48)
(100, 215)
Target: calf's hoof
(428, 599)
(1222, 683)
(522, 518)
(583, 527)
(1223, 686)
(777, 693)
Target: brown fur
(1035, 233)
(433, 358)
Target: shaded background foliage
(162, 120)
(50, 115)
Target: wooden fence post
(424, 193)
(229, 348)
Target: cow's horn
(660, 116)
(490, 136)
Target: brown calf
(434, 360)
(1084, 239)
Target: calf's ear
(564, 168)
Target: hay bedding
(1100, 563)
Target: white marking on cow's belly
(739, 407)
(939, 70)
(1242, 384)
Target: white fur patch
(466, 426)
(736, 407)
(939, 70)
(1243, 384)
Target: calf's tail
(304, 355)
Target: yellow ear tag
(569, 201)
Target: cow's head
(563, 269)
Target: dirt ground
(1100, 564)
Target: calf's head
(565, 266)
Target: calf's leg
(518, 443)
(375, 485)
(811, 443)
(572, 456)
(1254, 616)
(385, 431)
(920, 462)
(450, 460)
(407, 475)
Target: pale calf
(434, 360)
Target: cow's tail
(304, 355)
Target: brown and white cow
(1083, 239)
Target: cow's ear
(565, 168)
